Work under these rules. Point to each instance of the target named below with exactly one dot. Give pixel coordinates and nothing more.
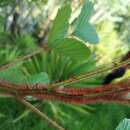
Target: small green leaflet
(2, 115)
(12, 74)
(60, 26)
(124, 125)
(85, 14)
(74, 49)
(78, 109)
(83, 29)
(15, 75)
(87, 33)
(83, 67)
(38, 78)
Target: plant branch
(103, 93)
(41, 114)
(91, 74)
(21, 59)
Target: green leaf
(83, 29)
(73, 49)
(37, 78)
(2, 115)
(12, 74)
(78, 109)
(60, 26)
(15, 75)
(24, 114)
(85, 14)
(124, 125)
(87, 33)
(84, 67)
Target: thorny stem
(70, 95)
(111, 93)
(104, 95)
(41, 114)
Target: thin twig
(91, 74)
(21, 59)
(41, 114)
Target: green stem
(41, 114)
